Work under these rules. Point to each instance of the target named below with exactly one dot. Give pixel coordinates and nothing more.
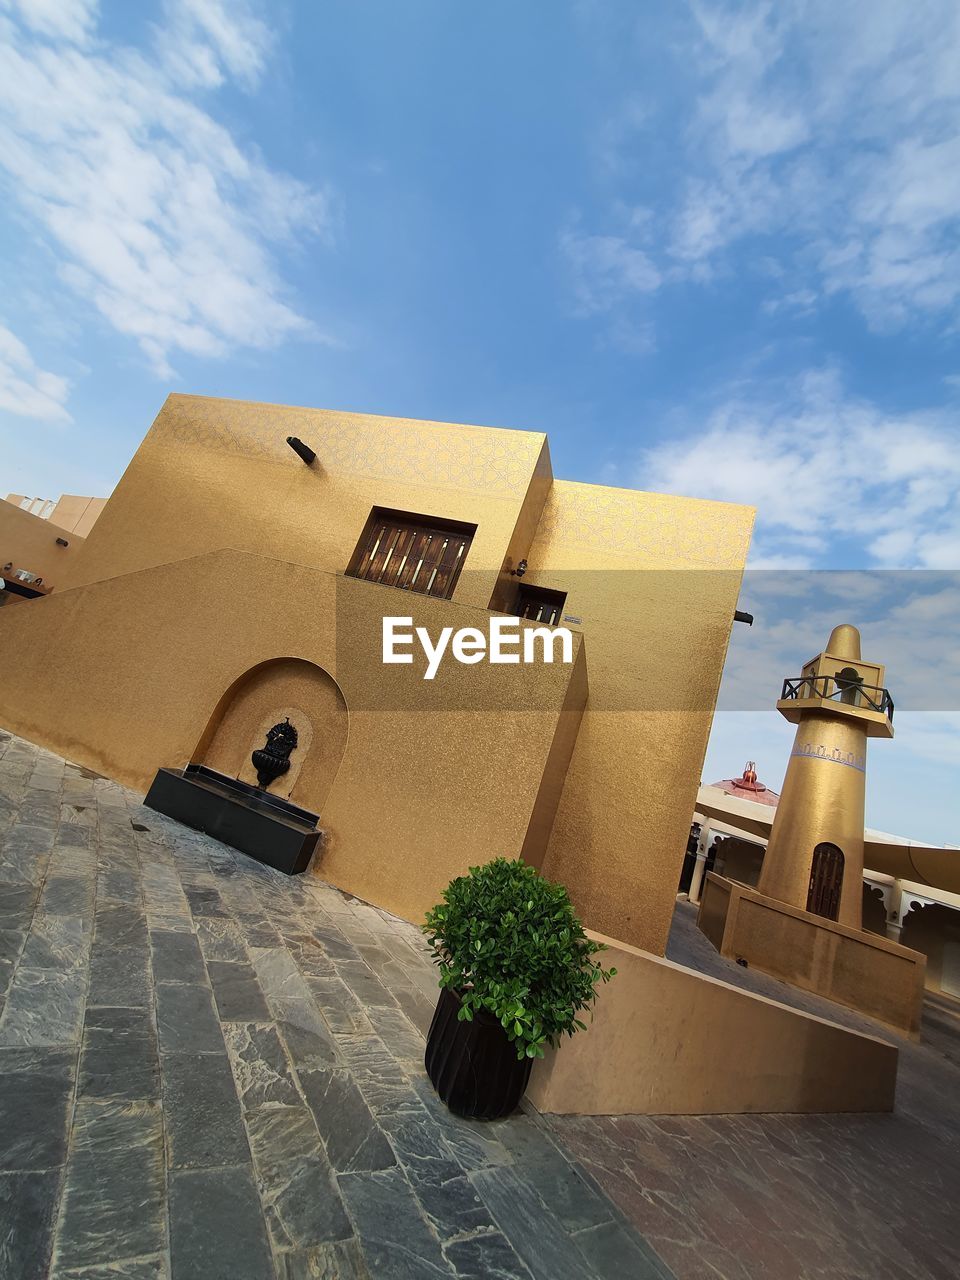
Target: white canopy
(927, 864)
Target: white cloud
(902, 616)
(838, 127)
(26, 390)
(72, 20)
(160, 219)
(206, 41)
(606, 270)
(823, 138)
(824, 469)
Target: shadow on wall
(935, 930)
(874, 911)
(273, 691)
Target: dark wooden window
(414, 553)
(826, 881)
(540, 604)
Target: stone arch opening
(273, 691)
(850, 682)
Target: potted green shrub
(515, 970)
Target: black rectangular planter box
(266, 827)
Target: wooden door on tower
(826, 881)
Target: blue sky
(711, 248)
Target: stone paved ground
(795, 1197)
(209, 1071)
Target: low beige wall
(124, 675)
(27, 542)
(860, 970)
(664, 1040)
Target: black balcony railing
(850, 693)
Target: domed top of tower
(844, 641)
(748, 787)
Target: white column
(699, 867)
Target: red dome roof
(747, 787)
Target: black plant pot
(472, 1065)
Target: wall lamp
(62, 542)
(301, 450)
(520, 570)
(740, 616)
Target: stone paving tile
(187, 1019)
(28, 1203)
(308, 1040)
(43, 1007)
(397, 1243)
(536, 1234)
(176, 957)
(237, 992)
(119, 1055)
(113, 1195)
(303, 1204)
(261, 1068)
(216, 1226)
(804, 1197)
(36, 1090)
(227, 1073)
(120, 977)
(202, 1116)
(352, 1137)
(57, 943)
(342, 1260)
(220, 939)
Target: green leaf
(508, 942)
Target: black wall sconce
(302, 450)
(62, 542)
(740, 616)
(520, 570)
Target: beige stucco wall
(219, 473)
(654, 580)
(124, 675)
(855, 968)
(284, 689)
(31, 543)
(77, 514)
(663, 1040)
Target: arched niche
(272, 691)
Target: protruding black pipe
(301, 450)
(740, 616)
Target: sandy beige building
(222, 584)
(39, 542)
(237, 585)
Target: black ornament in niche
(272, 760)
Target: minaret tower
(814, 858)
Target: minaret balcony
(870, 705)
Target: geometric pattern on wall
(493, 461)
(644, 526)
